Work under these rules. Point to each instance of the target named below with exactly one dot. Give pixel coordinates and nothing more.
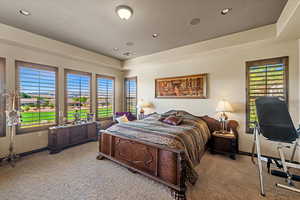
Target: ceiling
(94, 25)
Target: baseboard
(33, 151)
(30, 152)
(46, 148)
(255, 155)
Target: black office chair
(275, 123)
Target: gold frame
(204, 86)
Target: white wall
(15, 45)
(227, 77)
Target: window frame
(71, 71)
(285, 61)
(114, 96)
(125, 92)
(42, 67)
(3, 106)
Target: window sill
(105, 119)
(21, 131)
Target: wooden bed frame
(160, 163)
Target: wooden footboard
(162, 164)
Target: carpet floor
(75, 174)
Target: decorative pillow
(129, 115)
(173, 120)
(122, 119)
(213, 124)
(161, 119)
(164, 116)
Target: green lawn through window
(30, 119)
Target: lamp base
(223, 120)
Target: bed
(163, 152)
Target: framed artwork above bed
(192, 86)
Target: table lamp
(141, 105)
(223, 107)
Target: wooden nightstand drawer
(225, 143)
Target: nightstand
(224, 143)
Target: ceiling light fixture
(124, 12)
(226, 11)
(155, 35)
(24, 12)
(116, 49)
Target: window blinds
(265, 78)
(105, 97)
(78, 93)
(2, 98)
(37, 89)
(131, 95)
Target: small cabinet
(92, 130)
(60, 137)
(225, 143)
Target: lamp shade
(143, 104)
(224, 106)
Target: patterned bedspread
(191, 135)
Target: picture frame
(183, 87)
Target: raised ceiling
(94, 25)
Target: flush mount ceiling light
(124, 12)
(225, 11)
(24, 12)
(116, 49)
(155, 35)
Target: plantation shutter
(2, 98)
(78, 94)
(131, 95)
(105, 97)
(265, 78)
(37, 89)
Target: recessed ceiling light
(155, 35)
(195, 21)
(24, 12)
(124, 12)
(226, 11)
(129, 43)
(116, 49)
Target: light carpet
(75, 174)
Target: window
(105, 97)
(2, 98)
(36, 85)
(131, 95)
(78, 93)
(265, 78)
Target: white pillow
(122, 119)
